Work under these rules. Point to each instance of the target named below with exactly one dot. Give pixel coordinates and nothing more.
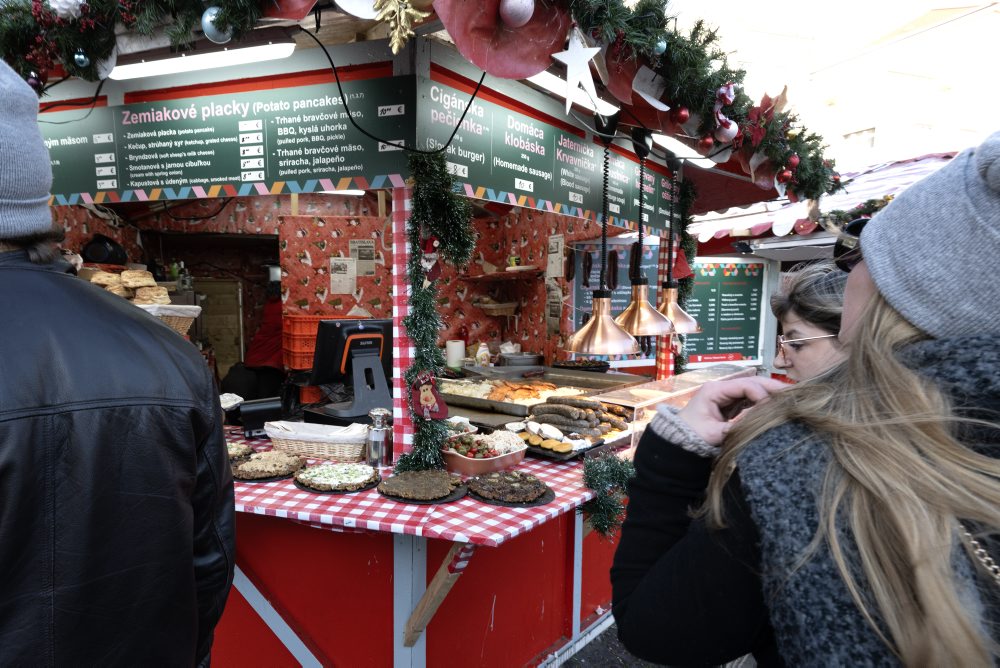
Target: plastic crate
(297, 361)
(301, 325)
(310, 394)
(298, 343)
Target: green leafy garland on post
(689, 246)
(607, 475)
(435, 211)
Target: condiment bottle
(483, 354)
(378, 444)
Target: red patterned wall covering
(529, 231)
(338, 217)
(80, 225)
(308, 243)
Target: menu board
(622, 295)
(507, 156)
(727, 301)
(261, 142)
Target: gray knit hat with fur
(25, 171)
(935, 250)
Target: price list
(727, 303)
(281, 135)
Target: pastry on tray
(271, 464)
(508, 486)
(420, 485)
(152, 295)
(105, 278)
(330, 477)
(238, 451)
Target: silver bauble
(212, 33)
(516, 13)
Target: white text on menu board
(472, 123)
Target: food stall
(352, 576)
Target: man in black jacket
(116, 501)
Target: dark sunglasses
(847, 250)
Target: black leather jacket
(116, 500)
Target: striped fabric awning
(782, 217)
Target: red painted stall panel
(511, 603)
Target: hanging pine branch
(435, 211)
(689, 246)
(608, 476)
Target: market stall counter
(389, 582)
(361, 592)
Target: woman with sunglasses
(808, 310)
(851, 520)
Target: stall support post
(402, 347)
(451, 568)
(578, 533)
(409, 581)
(664, 354)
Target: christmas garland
(689, 246)
(608, 476)
(700, 85)
(436, 212)
(836, 219)
(35, 35)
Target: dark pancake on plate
(510, 486)
(420, 485)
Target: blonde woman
(850, 520)
(808, 307)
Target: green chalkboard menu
(262, 142)
(620, 296)
(506, 156)
(727, 301)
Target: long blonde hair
(899, 479)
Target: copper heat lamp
(683, 323)
(601, 335)
(640, 318)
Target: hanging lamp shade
(682, 322)
(602, 335)
(640, 318)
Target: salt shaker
(379, 440)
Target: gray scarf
(815, 620)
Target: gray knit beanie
(934, 251)
(25, 171)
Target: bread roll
(138, 279)
(119, 290)
(105, 278)
(155, 295)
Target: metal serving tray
(589, 382)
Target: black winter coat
(116, 500)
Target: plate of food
(513, 489)
(334, 478)
(267, 466)
(423, 487)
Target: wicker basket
(175, 316)
(506, 308)
(316, 441)
(177, 323)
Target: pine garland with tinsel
(33, 38)
(436, 210)
(608, 476)
(694, 68)
(689, 246)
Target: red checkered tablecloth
(462, 521)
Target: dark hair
(815, 292)
(42, 247)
